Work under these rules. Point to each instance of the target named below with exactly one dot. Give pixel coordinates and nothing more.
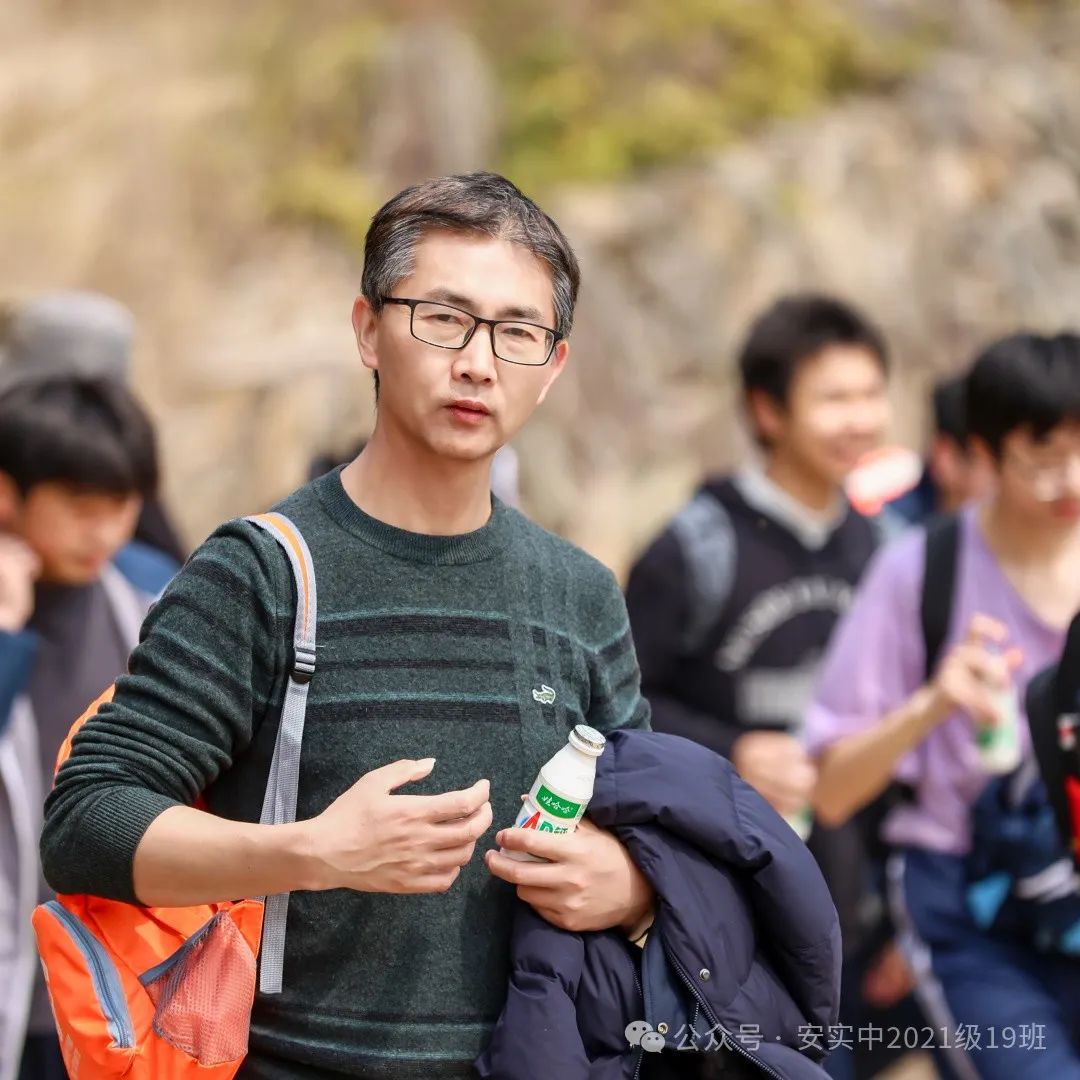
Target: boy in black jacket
(733, 604)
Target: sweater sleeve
(659, 602)
(212, 652)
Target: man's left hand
(589, 883)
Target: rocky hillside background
(214, 166)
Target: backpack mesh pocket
(202, 1002)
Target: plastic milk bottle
(802, 821)
(999, 744)
(563, 788)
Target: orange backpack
(166, 993)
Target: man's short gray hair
(482, 202)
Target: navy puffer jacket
(745, 944)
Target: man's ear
(555, 368)
(982, 456)
(365, 323)
(945, 460)
(10, 501)
(767, 416)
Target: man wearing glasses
(880, 714)
(441, 611)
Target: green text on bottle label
(548, 801)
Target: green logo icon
(545, 695)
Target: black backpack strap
(1053, 701)
(706, 537)
(939, 584)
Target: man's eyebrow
(448, 296)
(513, 311)
(529, 314)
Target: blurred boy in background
(732, 606)
(77, 462)
(895, 705)
(88, 335)
(953, 476)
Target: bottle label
(558, 807)
(999, 744)
(532, 818)
(548, 812)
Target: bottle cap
(588, 740)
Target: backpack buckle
(303, 665)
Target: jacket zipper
(704, 1006)
(641, 994)
(103, 976)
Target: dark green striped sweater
(427, 647)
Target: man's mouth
(1068, 509)
(467, 411)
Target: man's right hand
(972, 671)
(776, 765)
(19, 568)
(857, 768)
(371, 840)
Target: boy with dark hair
(733, 604)
(887, 710)
(77, 459)
(87, 335)
(442, 612)
(952, 476)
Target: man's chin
(829, 473)
(840, 467)
(466, 450)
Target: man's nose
(477, 362)
(868, 417)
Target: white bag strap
(279, 802)
(128, 604)
(20, 819)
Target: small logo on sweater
(545, 695)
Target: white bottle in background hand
(562, 789)
(999, 743)
(802, 822)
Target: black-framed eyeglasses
(449, 327)
(1049, 480)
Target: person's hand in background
(19, 569)
(777, 767)
(973, 671)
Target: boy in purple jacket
(878, 717)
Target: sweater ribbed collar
(483, 543)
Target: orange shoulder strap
(65, 748)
